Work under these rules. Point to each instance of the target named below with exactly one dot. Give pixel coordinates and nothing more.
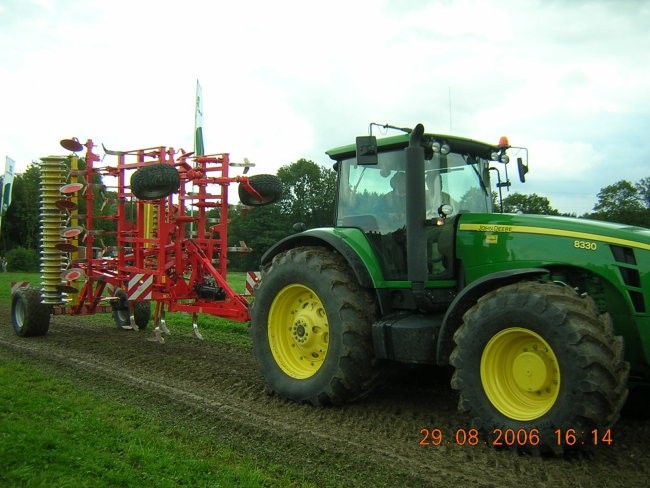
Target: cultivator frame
(164, 253)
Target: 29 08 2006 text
(511, 437)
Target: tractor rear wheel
(269, 188)
(536, 357)
(155, 181)
(311, 328)
(30, 317)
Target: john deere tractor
(543, 320)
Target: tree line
(621, 202)
(309, 193)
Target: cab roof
(457, 144)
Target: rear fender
(468, 297)
(324, 238)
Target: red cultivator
(167, 248)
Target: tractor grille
(630, 275)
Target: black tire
(268, 186)
(155, 181)
(329, 309)
(142, 313)
(121, 312)
(30, 317)
(536, 357)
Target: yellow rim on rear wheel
(298, 331)
(520, 374)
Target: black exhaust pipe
(416, 251)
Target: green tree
(20, 259)
(621, 196)
(528, 204)
(308, 197)
(309, 192)
(20, 223)
(621, 202)
(643, 187)
(259, 228)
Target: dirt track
(216, 389)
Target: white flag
(199, 148)
(7, 184)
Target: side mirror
(523, 169)
(367, 150)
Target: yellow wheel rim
(520, 374)
(298, 331)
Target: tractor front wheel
(30, 317)
(311, 328)
(537, 359)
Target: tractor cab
(373, 194)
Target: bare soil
(215, 389)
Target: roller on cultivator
(168, 251)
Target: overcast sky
(284, 80)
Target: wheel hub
(299, 332)
(300, 348)
(520, 373)
(529, 371)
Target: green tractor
(542, 319)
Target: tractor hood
(590, 230)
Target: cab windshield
(373, 198)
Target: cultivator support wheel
(29, 315)
(155, 181)
(260, 190)
(130, 315)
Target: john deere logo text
(494, 228)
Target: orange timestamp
(513, 437)
(574, 437)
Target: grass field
(54, 434)
(7, 278)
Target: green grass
(57, 435)
(237, 280)
(7, 278)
